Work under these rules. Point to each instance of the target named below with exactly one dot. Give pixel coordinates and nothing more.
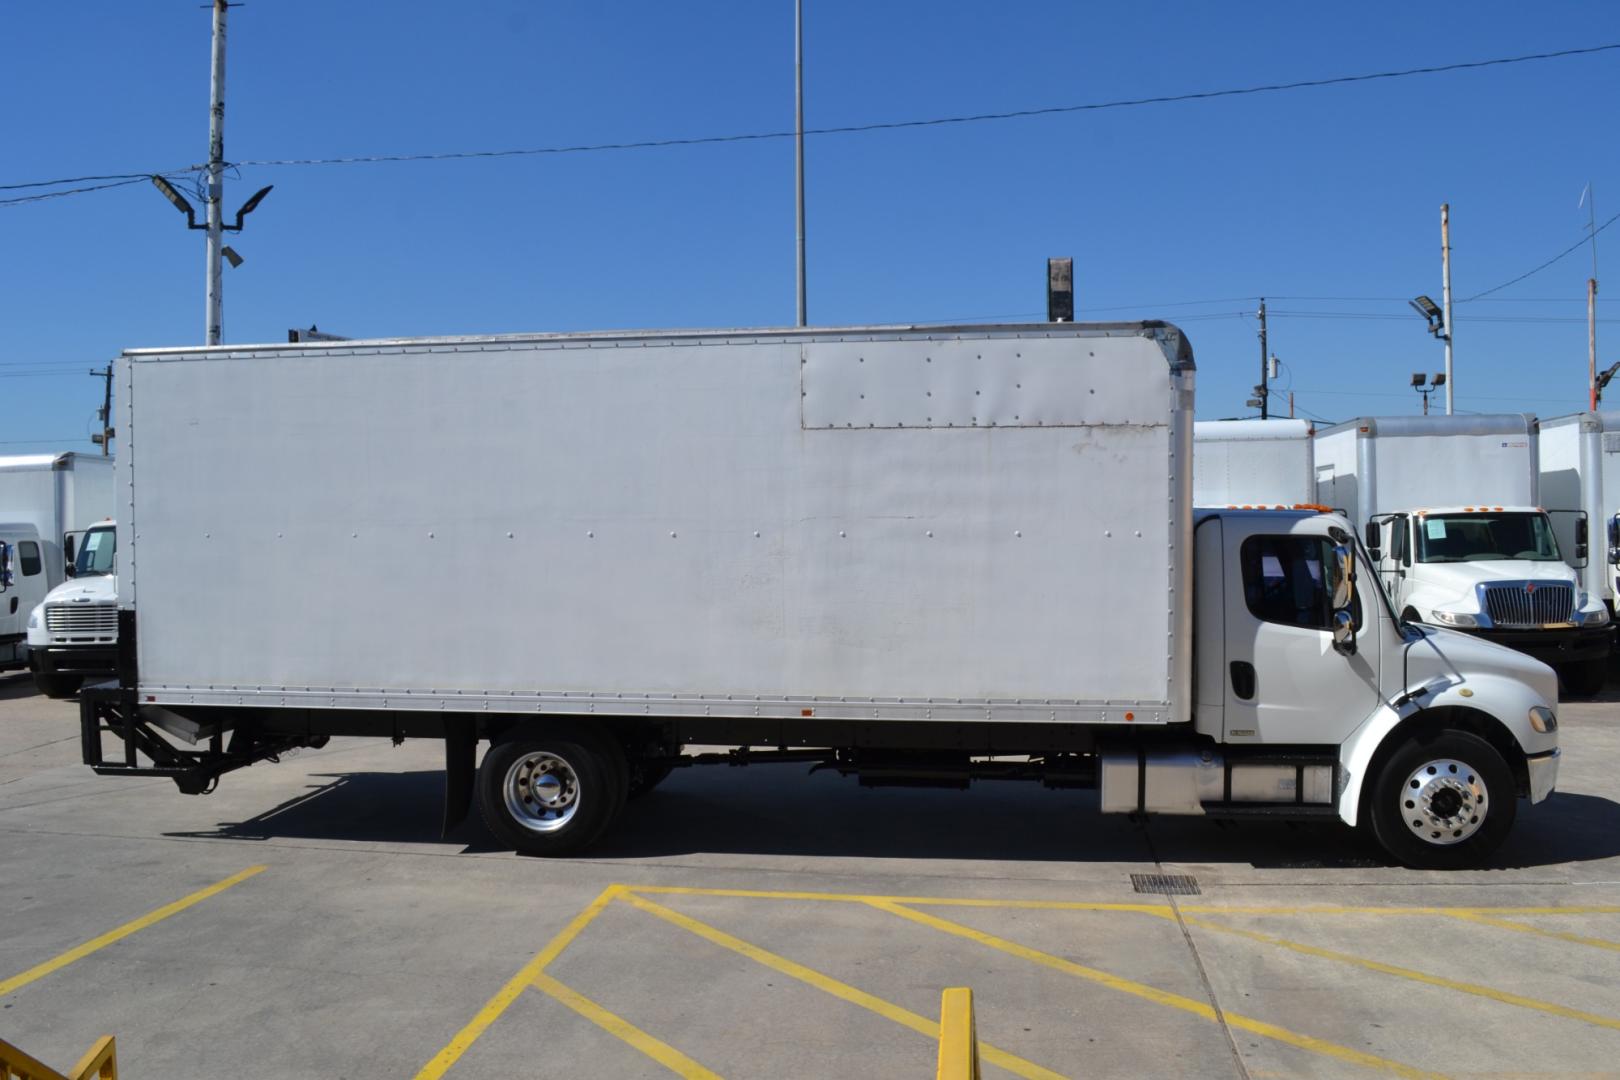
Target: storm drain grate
(1165, 884)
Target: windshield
(96, 552)
(1482, 537)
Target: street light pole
(798, 142)
(216, 178)
(1445, 293)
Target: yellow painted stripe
(1475, 989)
(1525, 928)
(79, 952)
(514, 986)
(1149, 908)
(1153, 994)
(660, 1051)
(825, 983)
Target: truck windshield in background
(96, 552)
(1485, 537)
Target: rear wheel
(1585, 678)
(1443, 801)
(551, 794)
(57, 686)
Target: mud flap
(460, 755)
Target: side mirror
(1614, 540)
(5, 566)
(1582, 549)
(1344, 633)
(1344, 595)
(1374, 537)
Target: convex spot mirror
(1344, 593)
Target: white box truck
(1453, 517)
(1580, 479)
(47, 502)
(914, 555)
(73, 631)
(1265, 464)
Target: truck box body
(1580, 471)
(57, 494)
(885, 524)
(1377, 465)
(1253, 463)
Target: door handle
(1243, 679)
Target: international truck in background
(1455, 523)
(1580, 470)
(1253, 463)
(73, 631)
(47, 501)
(914, 555)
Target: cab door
(1285, 681)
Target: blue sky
(1325, 200)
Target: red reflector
(807, 712)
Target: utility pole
(105, 414)
(1445, 295)
(216, 177)
(798, 140)
(1264, 389)
(1591, 302)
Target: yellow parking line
(1525, 928)
(514, 986)
(79, 952)
(660, 1051)
(1148, 908)
(1153, 994)
(1475, 989)
(825, 983)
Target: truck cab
(73, 630)
(24, 579)
(1495, 572)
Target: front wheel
(1443, 801)
(552, 794)
(1585, 678)
(57, 686)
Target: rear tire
(1586, 678)
(551, 794)
(57, 686)
(1444, 800)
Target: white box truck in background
(1454, 521)
(914, 555)
(1253, 463)
(73, 631)
(47, 501)
(1580, 471)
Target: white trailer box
(1259, 463)
(1452, 508)
(60, 495)
(913, 555)
(1580, 471)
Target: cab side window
(1290, 580)
(28, 558)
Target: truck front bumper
(1543, 774)
(65, 660)
(1559, 646)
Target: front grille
(1517, 605)
(81, 618)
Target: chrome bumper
(1543, 774)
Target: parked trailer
(47, 501)
(1580, 471)
(1453, 514)
(1253, 463)
(917, 555)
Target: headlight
(33, 619)
(1600, 617)
(1454, 618)
(1543, 719)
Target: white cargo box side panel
(1496, 469)
(663, 525)
(1253, 463)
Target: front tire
(57, 686)
(1444, 800)
(1585, 678)
(552, 794)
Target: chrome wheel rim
(1443, 801)
(542, 792)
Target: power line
(847, 129)
(1576, 246)
(72, 180)
(20, 199)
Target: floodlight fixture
(178, 200)
(1439, 379)
(231, 256)
(1432, 315)
(1418, 378)
(248, 208)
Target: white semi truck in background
(1454, 520)
(915, 555)
(1580, 470)
(73, 631)
(1266, 464)
(47, 502)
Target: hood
(1454, 582)
(102, 587)
(1446, 653)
